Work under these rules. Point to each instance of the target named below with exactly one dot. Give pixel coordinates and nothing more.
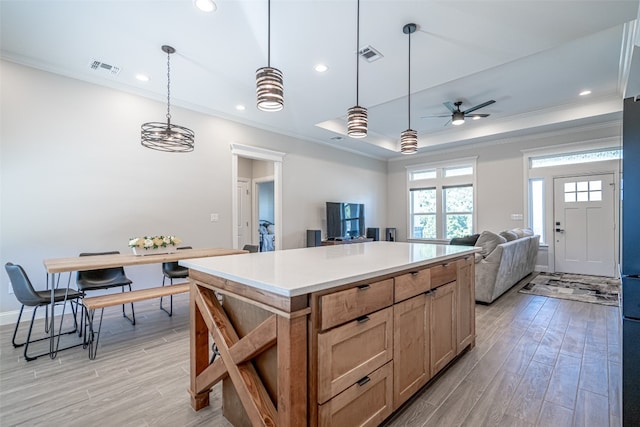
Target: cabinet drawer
(366, 403)
(351, 351)
(443, 274)
(411, 284)
(343, 306)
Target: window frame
(440, 182)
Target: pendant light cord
(358, 54)
(268, 33)
(409, 88)
(168, 87)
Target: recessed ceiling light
(585, 92)
(205, 5)
(240, 107)
(142, 77)
(321, 68)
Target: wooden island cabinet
(328, 336)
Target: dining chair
(173, 270)
(28, 296)
(105, 278)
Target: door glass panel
(595, 196)
(595, 185)
(569, 186)
(569, 197)
(583, 186)
(583, 196)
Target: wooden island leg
(199, 351)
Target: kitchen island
(331, 335)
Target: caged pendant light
(166, 136)
(269, 86)
(357, 115)
(409, 138)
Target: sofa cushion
(488, 242)
(522, 232)
(465, 241)
(509, 235)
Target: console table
(330, 335)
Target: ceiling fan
(457, 116)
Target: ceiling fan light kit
(269, 82)
(409, 138)
(357, 115)
(167, 136)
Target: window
(575, 158)
(583, 191)
(536, 207)
(441, 200)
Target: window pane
(595, 185)
(583, 196)
(595, 196)
(459, 225)
(569, 186)
(424, 227)
(569, 197)
(423, 201)
(458, 199)
(458, 171)
(537, 207)
(575, 158)
(426, 174)
(583, 186)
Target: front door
(584, 226)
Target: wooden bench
(100, 302)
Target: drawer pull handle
(362, 319)
(446, 264)
(363, 381)
(364, 287)
(414, 273)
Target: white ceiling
(531, 57)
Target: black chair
(250, 248)
(105, 278)
(173, 270)
(27, 296)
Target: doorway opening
(260, 167)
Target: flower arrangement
(154, 242)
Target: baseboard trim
(10, 317)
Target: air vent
(370, 54)
(103, 67)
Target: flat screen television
(345, 220)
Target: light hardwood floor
(537, 361)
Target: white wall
(75, 178)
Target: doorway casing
(256, 153)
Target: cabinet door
(411, 352)
(466, 304)
(443, 326)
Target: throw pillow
(488, 242)
(523, 232)
(465, 241)
(509, 235)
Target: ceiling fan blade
(447, 124)
(477, 107)
(435, 116)
(477, 115)
(450, 106)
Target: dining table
(57, 266)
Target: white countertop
(296, 272)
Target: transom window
(441, 200)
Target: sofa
(502, 261)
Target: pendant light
(166, 136)
(409, 138)
(269, 87)
(357, 115)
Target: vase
(157, 251)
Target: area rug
(577, 287)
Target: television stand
(346, 242)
